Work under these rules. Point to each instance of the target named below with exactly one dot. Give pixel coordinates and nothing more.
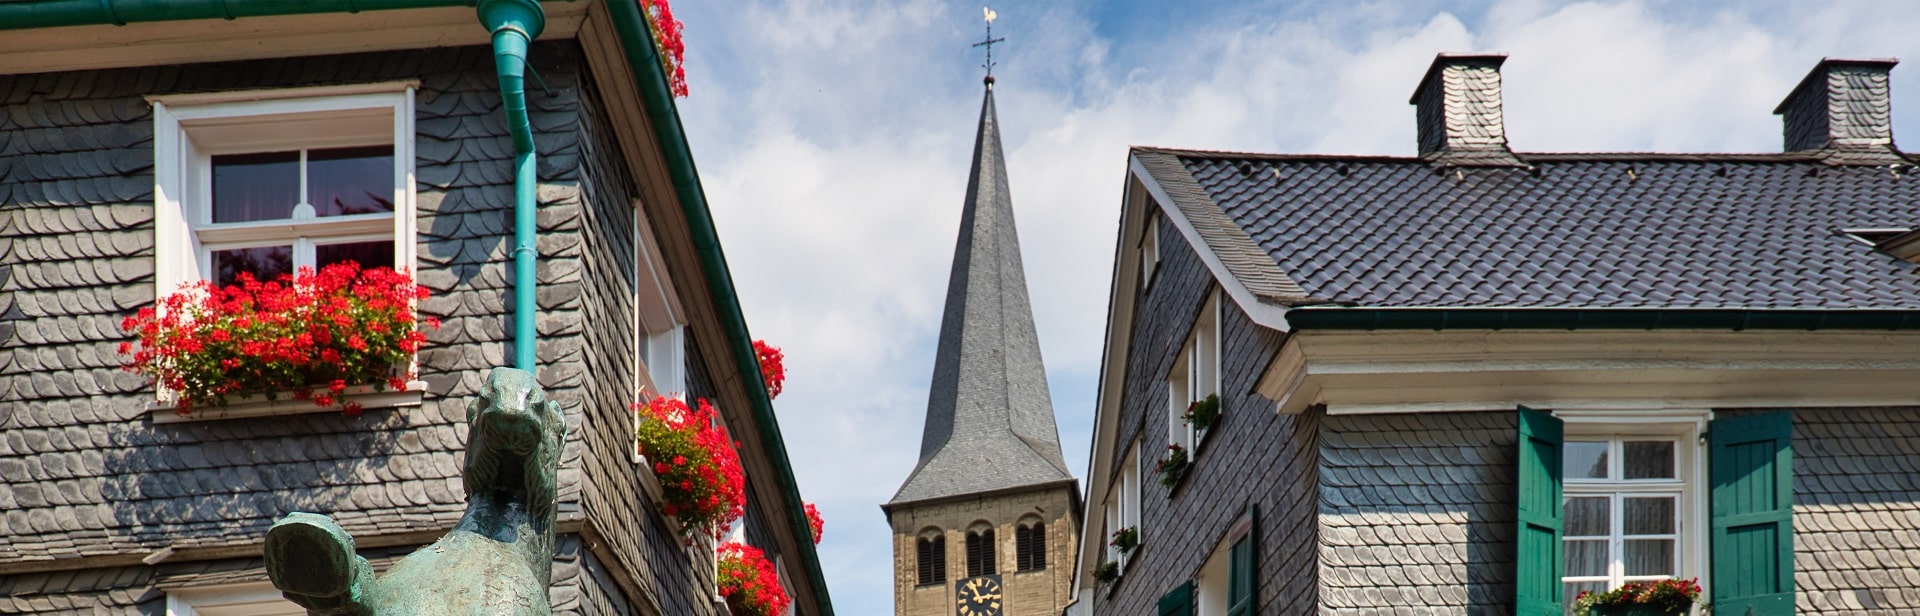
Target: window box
(1635, 610)
(283, 403)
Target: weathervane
(989, 42)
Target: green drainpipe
(514, 24)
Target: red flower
(701, 479)
(773, 369)
(749, 582)
(679, 460)
(814, 523)
(206, 342)
(667, 43)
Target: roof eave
(1736, 319)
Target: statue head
(514, 438)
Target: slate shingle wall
(84, 473)
(1416, 513)
(1251, 456)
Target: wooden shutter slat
(1751, 469)
(1538, 546)
(1178, 602)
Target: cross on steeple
(989, 42)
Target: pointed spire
(990, 420)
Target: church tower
(986, 524)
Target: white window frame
(248, 599)
(1149, 250)
(659, 322)
(1686, 428)
(1195, 375)
(190, 128)
(1211, 585)
(1123, 507)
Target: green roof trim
(636, 40)
(1324, 318)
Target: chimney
(1458, 110)
(1842, 110)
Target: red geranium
(814, 523)
(312, 334)
(667, 43)
(749, 582)
(773, 368)
(695, 461)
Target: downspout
(514, 24)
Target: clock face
(979, 596)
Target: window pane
(1649, 459)
(1649, 516)
(265, 263)
(1587, 516)
(367, 254)
(346, 181)
(1584, 459)
(1586, 557)
(1649, 556)
(255, 186)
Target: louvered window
(933, 560)
(980, 553)
(1030, 546)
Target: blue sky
(832, 138)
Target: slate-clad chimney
(1458, 109)
(1843, 109)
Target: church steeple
(990, 422)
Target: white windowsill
(284, 404)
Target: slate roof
(989, 417)
(1613, 231)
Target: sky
(832, 139)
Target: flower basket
(1173, 468)
(701, 482)
(815, 523)
(667, 43)
(1657, 598)
(749, 583)
(1125, 539)
(1106, 573)
(311, 335)
(1203, 413)
(773, 367)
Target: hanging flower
(667, 43)
(313, 334)
(701, 480)
(773, 368)
(1173, 467)
(814, 523)
(749, 582)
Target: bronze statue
(498, 560)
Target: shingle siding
(1252, 456)
(83, 472)
(1416, 513)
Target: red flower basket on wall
(667, 43)
(749, 582)
(312, 334)
(773, 367)
(701, 482)
(814, 523)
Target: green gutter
(1624, 318)
(637, 40)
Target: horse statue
(498, 560)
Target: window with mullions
(980, 556)
(1030, 545)
(1623, 499)
(266, 182)
(931, 551)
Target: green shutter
(1537, 563)
(1752, 474)
(1240, 577)
(1178, 602)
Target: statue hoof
(310, 555)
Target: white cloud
(833, 139)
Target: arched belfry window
(931, 551)
(1030, 545)
(980, 551)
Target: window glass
(1649, 557)
(1587, 557)
(367, 254)
(1649, 515)
(265, 263)
(348, 181)
(249, 187)
(1587, 517)
(1648, 459)
(1584, 459)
